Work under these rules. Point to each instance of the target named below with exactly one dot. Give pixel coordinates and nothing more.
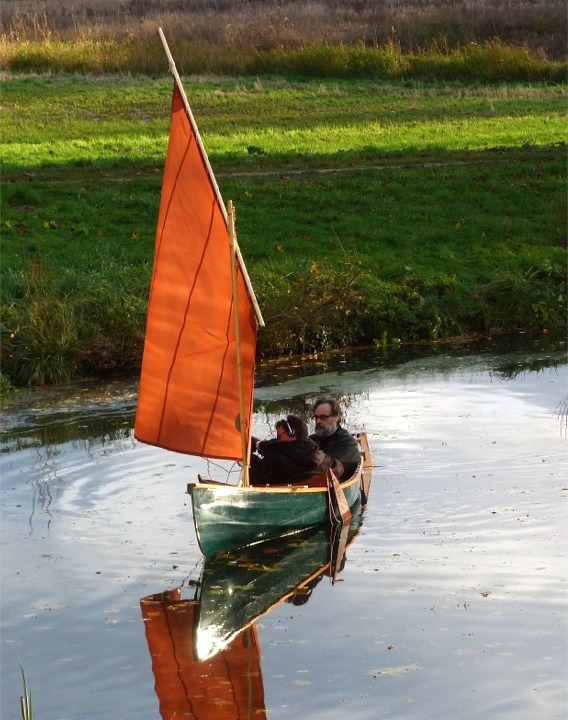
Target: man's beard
(324, 431)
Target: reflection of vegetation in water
(51, 439)
(85, 428)
(300, 405)
(509, 371)
(104, 414)
(223, 471)
(562, 411)
(352, 359)
(47, 484)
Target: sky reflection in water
(452, 601)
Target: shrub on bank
(320, 309)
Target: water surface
(452, 602)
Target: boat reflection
(205, 651)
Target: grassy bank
(390, 212)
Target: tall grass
(485, 39)
(266, 25)
(39, 338)
(490, 61)
(48, 335)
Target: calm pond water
(452, 600)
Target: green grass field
(367, 212)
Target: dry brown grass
(266, 24)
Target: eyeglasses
(322, 417)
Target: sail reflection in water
(205, 652)
(227, 686)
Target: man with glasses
(333, 439)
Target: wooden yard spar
(210, 173)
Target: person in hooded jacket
(291, 457)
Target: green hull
(229, 517)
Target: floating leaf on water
(48, 606)
(399, 670)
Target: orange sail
(189, 397)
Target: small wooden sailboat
(234, 516)
(197, 380)
(205, 650)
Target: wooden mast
(243, 418)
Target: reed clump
(26, 705)
(39, 338)
(54, 329)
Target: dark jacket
(342, 446)
(286, 463)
